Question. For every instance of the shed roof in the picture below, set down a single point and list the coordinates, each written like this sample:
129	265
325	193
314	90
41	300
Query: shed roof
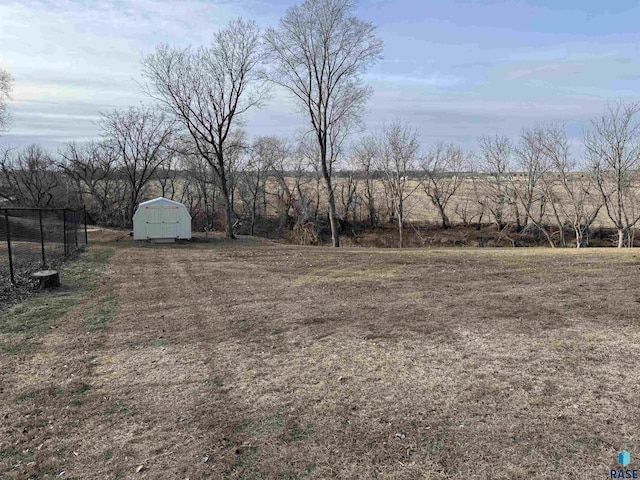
161	200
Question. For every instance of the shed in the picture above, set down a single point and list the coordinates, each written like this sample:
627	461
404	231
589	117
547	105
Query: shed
161	219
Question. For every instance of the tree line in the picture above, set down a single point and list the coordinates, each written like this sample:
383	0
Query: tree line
190	145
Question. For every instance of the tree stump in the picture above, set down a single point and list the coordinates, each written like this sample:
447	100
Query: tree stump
47	278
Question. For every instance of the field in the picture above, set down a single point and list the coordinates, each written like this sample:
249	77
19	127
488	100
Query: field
252	360
419	209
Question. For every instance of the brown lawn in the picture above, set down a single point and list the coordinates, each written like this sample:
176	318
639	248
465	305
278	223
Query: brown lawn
258	360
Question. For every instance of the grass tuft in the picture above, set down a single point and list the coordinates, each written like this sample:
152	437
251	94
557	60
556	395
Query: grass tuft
263	426
244	465
160	343
18	348
98	316
296	433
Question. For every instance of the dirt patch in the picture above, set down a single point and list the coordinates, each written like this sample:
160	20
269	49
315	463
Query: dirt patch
256	360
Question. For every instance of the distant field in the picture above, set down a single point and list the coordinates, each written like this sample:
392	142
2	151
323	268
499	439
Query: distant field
254	360
418	206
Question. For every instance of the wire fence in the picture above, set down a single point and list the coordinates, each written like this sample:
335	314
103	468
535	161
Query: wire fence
32	239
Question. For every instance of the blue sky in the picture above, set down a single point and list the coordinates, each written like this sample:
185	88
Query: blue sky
455	69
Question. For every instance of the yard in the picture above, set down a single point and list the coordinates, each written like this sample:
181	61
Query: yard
252	360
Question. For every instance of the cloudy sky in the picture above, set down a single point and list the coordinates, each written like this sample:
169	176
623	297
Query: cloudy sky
455	69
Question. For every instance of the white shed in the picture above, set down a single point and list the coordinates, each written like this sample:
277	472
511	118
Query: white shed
161	219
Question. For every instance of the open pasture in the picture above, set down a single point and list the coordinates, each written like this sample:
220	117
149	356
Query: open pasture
250	360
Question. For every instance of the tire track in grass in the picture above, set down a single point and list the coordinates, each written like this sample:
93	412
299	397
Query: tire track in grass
150	371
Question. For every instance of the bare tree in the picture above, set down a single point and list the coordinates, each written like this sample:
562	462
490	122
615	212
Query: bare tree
363	162
532	162
469	209
308	169
320	50
396	158
93	168
236	160
443	167
288	173
200	187
30	177
538	183
6	85
305	170
496	167
482	198
613	144
266	152
167	174
579	205
140	138
348	197
208	90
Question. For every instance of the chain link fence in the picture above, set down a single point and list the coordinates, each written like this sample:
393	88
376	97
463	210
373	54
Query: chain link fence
32	239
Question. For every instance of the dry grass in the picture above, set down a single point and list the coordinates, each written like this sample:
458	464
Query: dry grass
262	361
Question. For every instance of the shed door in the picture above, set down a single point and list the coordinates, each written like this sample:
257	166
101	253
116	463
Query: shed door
162	222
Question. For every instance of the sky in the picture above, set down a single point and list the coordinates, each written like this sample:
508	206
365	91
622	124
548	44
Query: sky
453	69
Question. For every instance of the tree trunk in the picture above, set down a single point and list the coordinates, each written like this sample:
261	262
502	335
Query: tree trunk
563	241
335	239
253	215
579	240
518	221
400	221
445	219
620	237
333	220
228	230
372	214
132	209
315	212
624	237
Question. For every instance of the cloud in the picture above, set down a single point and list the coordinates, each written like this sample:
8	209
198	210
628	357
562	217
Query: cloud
453	79
75	53
630	76
430	80
545	72
463	117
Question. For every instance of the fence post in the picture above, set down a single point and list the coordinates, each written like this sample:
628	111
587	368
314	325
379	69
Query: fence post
76	224
6	220
86	235
64	229
44	261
